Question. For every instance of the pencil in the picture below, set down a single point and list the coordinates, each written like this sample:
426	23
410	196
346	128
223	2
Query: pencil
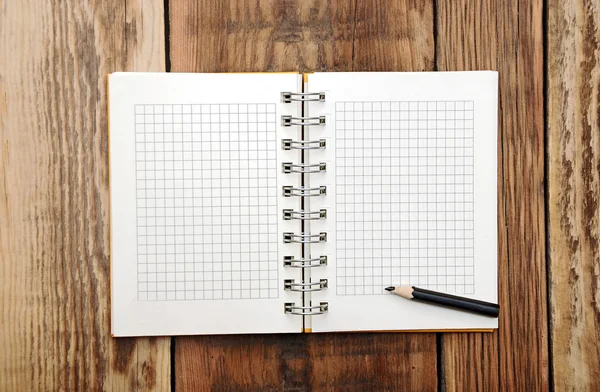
453	301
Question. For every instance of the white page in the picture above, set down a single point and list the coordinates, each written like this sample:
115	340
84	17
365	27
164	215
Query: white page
195	203
411	197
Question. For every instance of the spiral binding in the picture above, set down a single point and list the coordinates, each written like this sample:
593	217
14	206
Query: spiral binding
291	308
291	285
289	191
289	144
292	262
289	167
287	97
289	238
303	191
304	215
288	121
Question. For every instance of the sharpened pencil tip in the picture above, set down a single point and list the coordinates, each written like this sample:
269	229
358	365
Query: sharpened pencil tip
391	288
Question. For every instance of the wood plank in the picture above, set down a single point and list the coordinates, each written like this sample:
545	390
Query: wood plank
469	362
372	362
462	46
303	36
316	362
574	192
523	333
506	36
54	237
393	36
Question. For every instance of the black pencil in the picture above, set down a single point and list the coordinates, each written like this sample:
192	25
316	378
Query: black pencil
453	301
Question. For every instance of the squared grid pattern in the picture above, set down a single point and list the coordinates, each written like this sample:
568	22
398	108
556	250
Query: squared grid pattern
206	201
404	196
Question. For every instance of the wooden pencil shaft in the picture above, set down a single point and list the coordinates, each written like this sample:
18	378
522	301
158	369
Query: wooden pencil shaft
468	304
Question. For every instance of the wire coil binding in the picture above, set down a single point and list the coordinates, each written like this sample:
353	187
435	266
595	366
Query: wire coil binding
289	144
287	97
291	308
289	191
289	214
288	121
303	168
289	167
304	238
291	285
292	262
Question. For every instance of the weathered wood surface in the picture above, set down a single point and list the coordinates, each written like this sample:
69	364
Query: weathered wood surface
573	107
315	362
507	37
304	36
54	241
54	213
209	36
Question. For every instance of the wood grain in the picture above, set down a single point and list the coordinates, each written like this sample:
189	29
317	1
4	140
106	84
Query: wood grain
507	37
54	241
574	192
523	323
54	220
469	362
316	362
303	36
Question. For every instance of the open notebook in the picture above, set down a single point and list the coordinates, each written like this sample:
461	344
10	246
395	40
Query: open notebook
263	203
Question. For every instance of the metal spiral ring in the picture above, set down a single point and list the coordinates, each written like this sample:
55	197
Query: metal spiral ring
291	308
292	262
288	121
289	167
287	97
289	191
291	285
304	238
289	214
289	144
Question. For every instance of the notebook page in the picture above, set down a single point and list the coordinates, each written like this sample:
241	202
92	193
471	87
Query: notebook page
195	199
411	195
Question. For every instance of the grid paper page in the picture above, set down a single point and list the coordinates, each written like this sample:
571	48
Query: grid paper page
206	201
404	199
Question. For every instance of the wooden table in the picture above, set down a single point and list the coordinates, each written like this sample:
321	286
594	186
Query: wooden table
54	226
